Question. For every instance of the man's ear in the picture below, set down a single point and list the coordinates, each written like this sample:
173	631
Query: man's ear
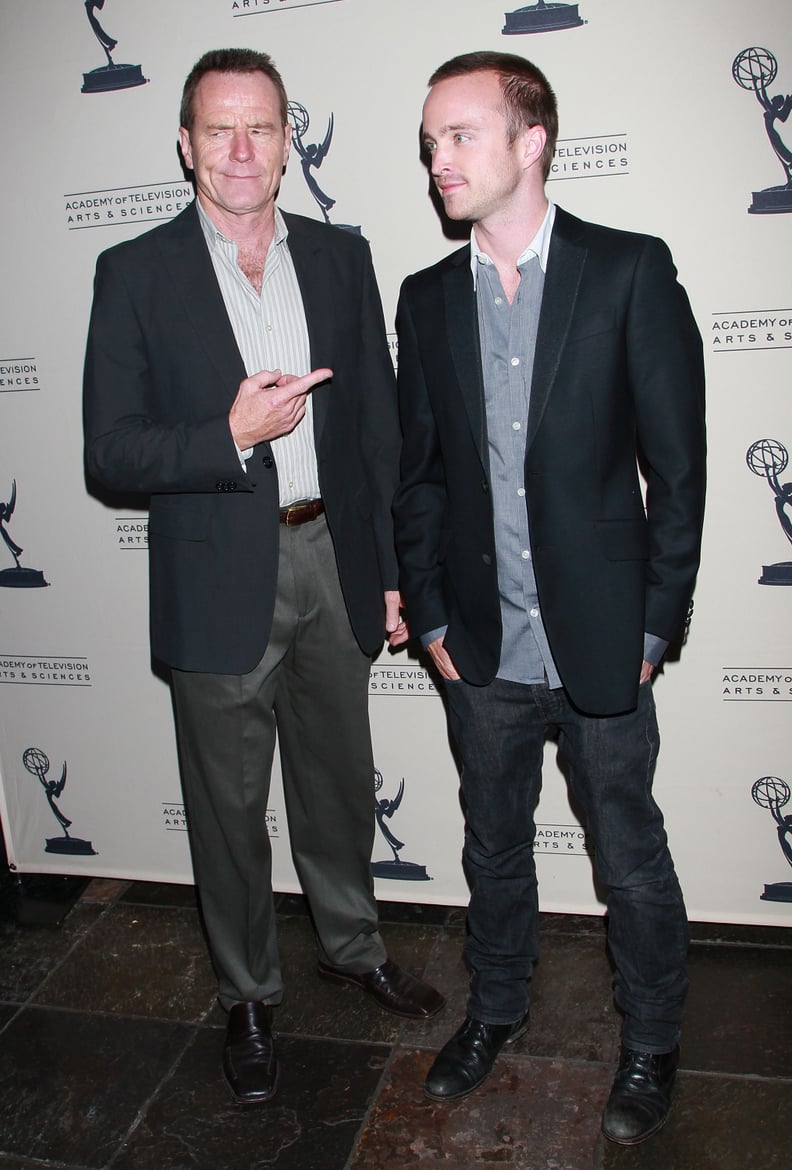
533	140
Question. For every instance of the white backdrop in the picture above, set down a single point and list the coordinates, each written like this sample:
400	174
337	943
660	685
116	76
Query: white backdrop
656	135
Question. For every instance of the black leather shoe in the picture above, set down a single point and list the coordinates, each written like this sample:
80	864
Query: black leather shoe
249	1061
641	1096
392	988
468	1057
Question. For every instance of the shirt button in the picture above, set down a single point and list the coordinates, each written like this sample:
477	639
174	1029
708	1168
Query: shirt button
526	554
515	426
499	300
515	361
534	612
520	491
269	329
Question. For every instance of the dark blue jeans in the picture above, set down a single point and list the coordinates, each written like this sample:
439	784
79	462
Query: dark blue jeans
500	731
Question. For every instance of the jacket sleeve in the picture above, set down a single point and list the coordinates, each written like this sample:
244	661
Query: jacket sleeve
143	431
420	505
666	374
380	436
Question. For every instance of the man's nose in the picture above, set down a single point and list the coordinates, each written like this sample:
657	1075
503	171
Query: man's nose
241	146
439	161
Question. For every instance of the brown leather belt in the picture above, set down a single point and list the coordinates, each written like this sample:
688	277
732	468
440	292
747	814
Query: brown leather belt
301	513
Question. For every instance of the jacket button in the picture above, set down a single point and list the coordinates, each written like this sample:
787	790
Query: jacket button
484	485
268	461
486	558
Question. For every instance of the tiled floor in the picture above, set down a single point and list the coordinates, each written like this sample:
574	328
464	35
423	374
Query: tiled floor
110	1044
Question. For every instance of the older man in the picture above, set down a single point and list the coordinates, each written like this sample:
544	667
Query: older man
237	372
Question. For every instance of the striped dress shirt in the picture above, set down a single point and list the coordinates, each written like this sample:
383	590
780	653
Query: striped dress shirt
272	334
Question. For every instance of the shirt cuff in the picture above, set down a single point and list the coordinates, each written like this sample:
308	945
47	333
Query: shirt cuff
654	648
432	636
243	456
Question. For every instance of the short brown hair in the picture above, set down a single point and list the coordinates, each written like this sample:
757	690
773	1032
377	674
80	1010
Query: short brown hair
528	99
230	61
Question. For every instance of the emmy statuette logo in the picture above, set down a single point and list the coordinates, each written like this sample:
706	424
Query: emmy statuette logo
755	69
37	763
768	458
16	577
404	871
312	155
542	17
771	793
110	76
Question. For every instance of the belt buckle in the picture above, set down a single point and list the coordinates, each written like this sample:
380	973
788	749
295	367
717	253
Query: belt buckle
297	514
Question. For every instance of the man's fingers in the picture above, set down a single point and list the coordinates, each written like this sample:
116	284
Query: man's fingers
305	383
263	380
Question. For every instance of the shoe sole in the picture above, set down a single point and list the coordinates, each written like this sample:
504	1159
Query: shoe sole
478	1084
350	981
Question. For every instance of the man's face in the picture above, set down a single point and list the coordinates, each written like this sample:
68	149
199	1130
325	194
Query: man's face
238	145
477	171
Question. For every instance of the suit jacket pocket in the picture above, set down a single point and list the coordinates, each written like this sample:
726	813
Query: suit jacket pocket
589	325
623	540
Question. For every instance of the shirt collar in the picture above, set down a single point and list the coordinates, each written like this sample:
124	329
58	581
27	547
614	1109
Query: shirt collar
539	246
213	235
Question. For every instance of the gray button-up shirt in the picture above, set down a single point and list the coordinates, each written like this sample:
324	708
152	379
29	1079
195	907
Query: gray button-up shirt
508	342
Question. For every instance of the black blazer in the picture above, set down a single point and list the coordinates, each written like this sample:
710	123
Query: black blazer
162	370
618	368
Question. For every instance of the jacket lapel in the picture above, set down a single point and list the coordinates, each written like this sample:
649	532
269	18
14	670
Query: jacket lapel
314	283
565	263
463	337
187	259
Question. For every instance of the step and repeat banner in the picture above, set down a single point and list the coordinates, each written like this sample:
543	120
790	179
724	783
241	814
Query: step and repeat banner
674	121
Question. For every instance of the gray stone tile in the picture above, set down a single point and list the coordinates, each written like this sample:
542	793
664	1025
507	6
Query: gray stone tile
413	913
323	1094
13	1162
105	890
7	1013
572	1011
28	954
148	961
446	971
593	924
72	1084
727	932
529	1115
738	1016
160	894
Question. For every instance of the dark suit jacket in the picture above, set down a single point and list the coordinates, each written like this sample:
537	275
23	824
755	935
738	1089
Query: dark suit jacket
618	367
162	370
